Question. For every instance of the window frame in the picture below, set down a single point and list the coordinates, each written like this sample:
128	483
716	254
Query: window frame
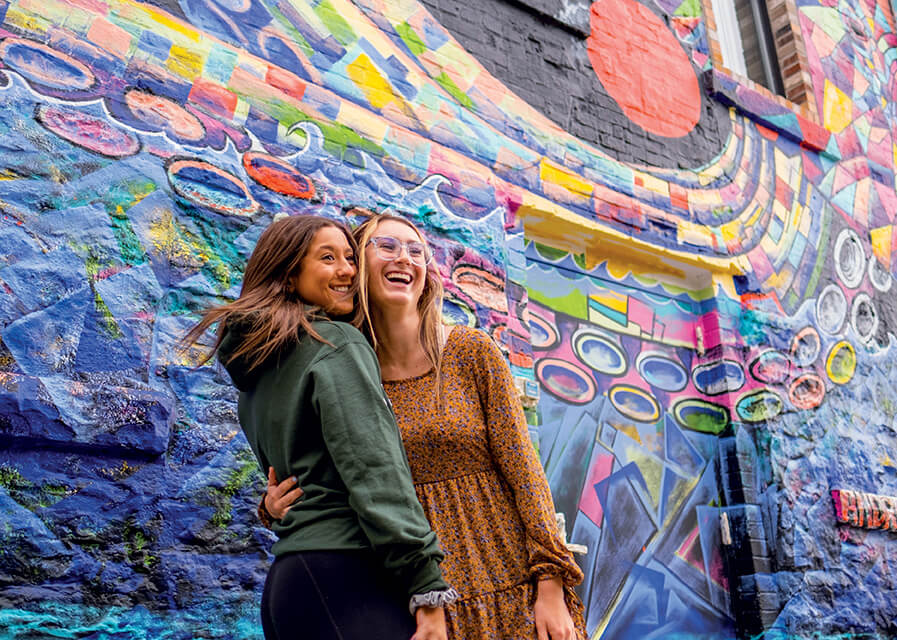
791	53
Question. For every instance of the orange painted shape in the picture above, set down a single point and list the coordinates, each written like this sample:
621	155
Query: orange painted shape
643	67
769	134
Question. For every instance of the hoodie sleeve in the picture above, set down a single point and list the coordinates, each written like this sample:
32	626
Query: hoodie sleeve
361	436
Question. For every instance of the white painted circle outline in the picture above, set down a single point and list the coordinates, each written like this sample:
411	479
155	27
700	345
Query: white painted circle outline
850	280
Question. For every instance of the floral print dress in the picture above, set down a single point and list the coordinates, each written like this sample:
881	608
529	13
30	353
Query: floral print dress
483	489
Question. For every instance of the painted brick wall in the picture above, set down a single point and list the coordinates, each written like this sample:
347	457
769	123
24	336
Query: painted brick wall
693	282
537	49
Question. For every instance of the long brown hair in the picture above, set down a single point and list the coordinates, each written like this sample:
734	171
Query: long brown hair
429	306
269	308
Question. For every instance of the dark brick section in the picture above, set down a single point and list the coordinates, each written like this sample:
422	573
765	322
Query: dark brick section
748	557
538	50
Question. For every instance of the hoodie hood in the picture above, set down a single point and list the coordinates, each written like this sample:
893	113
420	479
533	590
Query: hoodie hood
238	368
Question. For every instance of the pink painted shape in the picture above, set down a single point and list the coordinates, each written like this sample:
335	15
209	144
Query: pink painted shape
839	513
588	503
689	546
642	314
888	200
110	37
717	570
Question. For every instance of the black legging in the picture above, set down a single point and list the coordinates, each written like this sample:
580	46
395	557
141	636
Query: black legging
333	595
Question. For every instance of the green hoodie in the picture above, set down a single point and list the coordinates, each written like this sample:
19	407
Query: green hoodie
318	412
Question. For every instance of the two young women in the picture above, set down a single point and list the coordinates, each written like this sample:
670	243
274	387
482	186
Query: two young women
359	552
474	468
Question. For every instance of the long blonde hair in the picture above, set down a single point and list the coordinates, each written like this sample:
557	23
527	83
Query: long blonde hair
269	307
429	306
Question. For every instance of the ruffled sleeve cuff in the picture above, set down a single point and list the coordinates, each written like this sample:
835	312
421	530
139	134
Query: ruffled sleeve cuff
262	512
569	573
432	599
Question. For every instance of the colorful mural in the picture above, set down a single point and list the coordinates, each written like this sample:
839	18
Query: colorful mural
712	348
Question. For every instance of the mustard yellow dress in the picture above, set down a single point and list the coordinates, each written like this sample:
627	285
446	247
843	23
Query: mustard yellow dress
483	490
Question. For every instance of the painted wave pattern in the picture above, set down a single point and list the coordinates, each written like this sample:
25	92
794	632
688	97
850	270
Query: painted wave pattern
142	158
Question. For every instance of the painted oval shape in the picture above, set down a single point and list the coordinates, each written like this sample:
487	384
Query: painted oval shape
864	317
599	352
277	175
662	372
643	67
485	288
831	309
806	391
88	132
42	65
718	377
543	334
565	381
879	276
208	186
805	346
634	403
841	363
162	114
850	259
701	415
454	311
771	367
759	405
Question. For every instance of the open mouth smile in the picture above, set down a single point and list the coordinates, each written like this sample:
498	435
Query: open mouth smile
399	277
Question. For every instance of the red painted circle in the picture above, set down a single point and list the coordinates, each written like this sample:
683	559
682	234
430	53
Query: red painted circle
642	66
277	175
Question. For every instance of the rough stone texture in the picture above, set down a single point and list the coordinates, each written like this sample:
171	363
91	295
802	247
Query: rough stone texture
702	329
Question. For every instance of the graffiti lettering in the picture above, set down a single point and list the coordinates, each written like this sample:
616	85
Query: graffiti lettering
865	510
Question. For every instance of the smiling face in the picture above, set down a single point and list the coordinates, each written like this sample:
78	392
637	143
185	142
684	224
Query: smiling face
397	282
327	272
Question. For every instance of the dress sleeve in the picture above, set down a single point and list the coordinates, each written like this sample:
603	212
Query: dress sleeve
516	459
362	438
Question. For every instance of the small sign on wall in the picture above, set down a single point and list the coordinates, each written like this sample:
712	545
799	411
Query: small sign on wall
866	510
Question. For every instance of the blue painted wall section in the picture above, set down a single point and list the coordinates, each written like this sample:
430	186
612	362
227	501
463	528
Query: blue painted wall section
697	302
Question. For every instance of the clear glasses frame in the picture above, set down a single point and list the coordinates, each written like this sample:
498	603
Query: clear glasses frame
389	248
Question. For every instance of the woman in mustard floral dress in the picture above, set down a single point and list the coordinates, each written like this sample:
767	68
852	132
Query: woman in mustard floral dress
474	467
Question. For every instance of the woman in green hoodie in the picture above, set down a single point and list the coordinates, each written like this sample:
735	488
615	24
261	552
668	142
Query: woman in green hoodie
475	470
357	553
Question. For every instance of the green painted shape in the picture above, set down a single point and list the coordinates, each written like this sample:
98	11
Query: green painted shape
335	23
548	252
237	479
28	494
225	264
117	198
337	137
828	19
573	304
295	34
689	9
415	45
821	256
448	84
713	421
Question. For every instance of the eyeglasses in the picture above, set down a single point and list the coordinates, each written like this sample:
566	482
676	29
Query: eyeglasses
389	248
